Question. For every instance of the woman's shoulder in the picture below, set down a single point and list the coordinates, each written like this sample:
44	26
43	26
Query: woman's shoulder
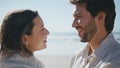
38	63
18	61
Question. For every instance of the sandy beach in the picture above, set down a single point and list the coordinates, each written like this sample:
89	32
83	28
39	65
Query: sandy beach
55	61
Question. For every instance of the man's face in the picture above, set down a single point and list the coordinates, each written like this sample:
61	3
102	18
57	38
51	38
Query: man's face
84	23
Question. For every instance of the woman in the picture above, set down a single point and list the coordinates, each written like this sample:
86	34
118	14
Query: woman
22	33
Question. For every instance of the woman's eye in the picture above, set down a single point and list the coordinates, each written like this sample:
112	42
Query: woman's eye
42	29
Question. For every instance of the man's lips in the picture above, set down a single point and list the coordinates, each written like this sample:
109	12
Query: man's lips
79	29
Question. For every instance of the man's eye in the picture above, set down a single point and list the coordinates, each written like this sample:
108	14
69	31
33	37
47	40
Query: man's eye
79	16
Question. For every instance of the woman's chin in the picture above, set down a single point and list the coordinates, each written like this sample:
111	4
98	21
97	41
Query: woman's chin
43	47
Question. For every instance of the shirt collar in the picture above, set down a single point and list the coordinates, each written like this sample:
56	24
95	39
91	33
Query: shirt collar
104	47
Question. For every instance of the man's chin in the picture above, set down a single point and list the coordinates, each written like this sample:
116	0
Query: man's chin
84	40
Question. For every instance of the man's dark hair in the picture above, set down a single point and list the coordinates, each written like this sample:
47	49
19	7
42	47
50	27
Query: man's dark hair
96	6
13	27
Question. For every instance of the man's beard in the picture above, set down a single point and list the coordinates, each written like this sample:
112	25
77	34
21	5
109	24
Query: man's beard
90	29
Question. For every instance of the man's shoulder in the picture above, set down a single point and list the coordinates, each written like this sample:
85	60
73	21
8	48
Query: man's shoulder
114	59
115	56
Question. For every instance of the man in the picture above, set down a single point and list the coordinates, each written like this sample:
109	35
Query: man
94	21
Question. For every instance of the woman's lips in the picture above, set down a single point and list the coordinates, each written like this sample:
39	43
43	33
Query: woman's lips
45	41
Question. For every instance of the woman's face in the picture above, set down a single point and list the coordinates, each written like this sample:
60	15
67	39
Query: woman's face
37	40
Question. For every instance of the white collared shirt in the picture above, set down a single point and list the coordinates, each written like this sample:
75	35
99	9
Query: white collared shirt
106	56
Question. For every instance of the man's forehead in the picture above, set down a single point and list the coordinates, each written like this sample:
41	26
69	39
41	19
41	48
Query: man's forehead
80	4
97	1
80	7
79	11
76	1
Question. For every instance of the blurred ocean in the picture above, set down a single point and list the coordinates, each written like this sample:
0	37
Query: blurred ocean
66	43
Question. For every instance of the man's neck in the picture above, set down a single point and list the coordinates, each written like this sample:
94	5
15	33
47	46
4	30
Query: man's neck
96	40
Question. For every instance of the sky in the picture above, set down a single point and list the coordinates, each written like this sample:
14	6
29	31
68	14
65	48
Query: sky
56	14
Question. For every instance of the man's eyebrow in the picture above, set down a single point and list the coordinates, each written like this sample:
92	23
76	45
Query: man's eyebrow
76	13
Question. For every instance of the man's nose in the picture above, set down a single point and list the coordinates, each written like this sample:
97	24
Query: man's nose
75	23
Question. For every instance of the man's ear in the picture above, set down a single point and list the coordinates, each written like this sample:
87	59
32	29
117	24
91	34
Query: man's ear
101	17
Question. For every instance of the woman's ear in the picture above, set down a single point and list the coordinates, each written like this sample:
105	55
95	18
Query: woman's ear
25	39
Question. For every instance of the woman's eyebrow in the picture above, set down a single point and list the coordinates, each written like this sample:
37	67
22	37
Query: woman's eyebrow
41	27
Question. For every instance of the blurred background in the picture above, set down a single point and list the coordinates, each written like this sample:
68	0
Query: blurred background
62	41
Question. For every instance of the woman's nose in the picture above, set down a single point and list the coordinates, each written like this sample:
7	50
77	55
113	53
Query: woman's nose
47	31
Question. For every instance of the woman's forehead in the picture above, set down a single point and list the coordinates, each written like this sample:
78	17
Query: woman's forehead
38	21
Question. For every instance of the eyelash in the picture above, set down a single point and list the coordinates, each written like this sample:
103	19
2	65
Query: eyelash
79	16
42	29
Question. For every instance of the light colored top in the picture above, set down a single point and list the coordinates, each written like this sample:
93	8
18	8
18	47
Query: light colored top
17	61
106	56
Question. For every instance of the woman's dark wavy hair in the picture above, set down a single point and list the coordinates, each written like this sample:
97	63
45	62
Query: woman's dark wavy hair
96	6
13	27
